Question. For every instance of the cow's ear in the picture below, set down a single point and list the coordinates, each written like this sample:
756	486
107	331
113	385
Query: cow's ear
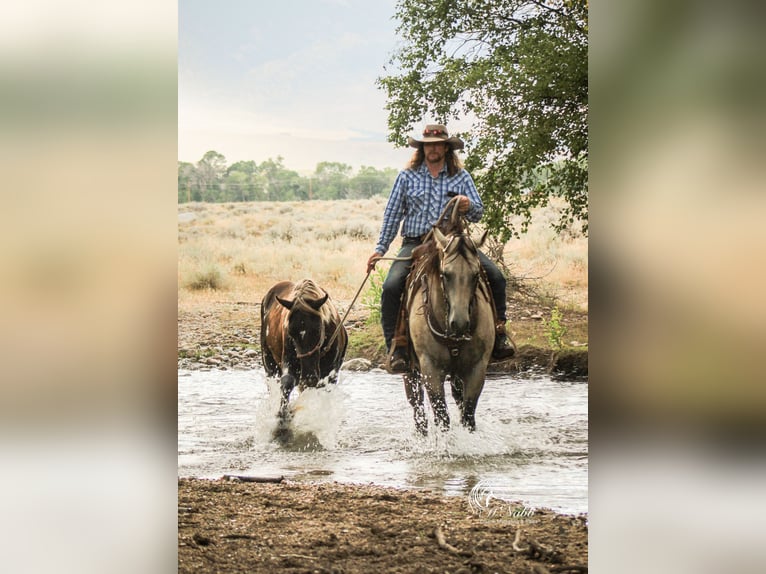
285	302
315	305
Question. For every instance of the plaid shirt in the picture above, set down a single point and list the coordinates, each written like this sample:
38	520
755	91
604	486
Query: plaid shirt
419	199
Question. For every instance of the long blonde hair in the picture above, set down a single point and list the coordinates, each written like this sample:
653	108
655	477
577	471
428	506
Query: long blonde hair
454	163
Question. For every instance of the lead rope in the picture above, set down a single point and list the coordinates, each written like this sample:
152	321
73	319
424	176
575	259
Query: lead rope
358	291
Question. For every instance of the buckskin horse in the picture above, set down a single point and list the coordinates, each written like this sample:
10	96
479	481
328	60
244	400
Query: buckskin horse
299	342
450	314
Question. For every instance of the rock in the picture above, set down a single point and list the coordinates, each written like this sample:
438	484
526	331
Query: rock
359	364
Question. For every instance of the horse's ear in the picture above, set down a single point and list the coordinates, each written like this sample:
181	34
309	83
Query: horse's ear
440	238
285	303
315	305
482	240
454	218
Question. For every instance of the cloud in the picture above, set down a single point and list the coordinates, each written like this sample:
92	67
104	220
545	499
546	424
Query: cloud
280	75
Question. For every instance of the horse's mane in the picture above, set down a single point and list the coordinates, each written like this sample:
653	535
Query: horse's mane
306	290
425	256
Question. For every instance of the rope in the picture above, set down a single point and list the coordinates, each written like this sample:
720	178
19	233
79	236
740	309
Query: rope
342	321
337	329
394	258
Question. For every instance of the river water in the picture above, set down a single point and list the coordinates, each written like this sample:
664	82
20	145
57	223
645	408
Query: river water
530	443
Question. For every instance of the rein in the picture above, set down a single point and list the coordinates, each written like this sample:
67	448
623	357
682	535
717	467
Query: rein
452	342
444	338
358	291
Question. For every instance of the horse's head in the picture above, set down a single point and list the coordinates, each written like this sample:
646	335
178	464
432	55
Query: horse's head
305	326
459	268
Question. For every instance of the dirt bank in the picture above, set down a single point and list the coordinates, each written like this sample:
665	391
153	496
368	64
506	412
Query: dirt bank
232	526
225	335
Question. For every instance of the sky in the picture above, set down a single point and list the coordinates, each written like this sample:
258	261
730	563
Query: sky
259	79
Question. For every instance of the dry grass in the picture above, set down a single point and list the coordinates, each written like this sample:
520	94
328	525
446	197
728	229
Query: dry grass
244	248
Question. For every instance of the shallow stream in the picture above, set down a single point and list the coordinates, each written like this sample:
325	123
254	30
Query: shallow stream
530	443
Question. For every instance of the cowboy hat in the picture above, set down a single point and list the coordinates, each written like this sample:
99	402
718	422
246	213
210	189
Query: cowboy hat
436	133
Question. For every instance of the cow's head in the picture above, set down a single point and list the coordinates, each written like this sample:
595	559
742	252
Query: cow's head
305	329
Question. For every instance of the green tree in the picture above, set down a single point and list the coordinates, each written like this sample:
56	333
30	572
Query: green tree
331	180
517	71
187	180
283	184
209	174
244	182
370	181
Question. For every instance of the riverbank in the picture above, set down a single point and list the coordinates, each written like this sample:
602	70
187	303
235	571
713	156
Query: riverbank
233	526
230	254
215	334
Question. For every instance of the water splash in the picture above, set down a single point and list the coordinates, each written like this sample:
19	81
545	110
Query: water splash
530	444
319	413
314	420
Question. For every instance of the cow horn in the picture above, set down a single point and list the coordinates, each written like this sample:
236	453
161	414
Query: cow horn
315	305
285	303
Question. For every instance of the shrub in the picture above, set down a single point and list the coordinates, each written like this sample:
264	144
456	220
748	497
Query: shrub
371	297
555	329
209	278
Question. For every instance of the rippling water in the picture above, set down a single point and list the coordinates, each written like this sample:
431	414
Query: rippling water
530	444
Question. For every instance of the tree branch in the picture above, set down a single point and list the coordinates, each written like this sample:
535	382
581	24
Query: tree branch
439	535
262	479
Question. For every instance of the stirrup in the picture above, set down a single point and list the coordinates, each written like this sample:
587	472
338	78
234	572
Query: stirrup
503	348
398	361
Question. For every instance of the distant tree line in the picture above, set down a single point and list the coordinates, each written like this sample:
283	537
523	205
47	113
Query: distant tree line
211	180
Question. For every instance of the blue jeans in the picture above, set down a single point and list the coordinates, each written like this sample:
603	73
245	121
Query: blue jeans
393	287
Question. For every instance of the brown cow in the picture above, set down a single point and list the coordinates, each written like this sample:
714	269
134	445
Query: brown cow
298	321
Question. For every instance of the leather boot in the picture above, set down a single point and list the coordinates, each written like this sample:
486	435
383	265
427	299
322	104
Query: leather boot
398	358
504	347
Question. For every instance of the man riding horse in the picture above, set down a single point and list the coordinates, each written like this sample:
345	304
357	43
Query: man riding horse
433	176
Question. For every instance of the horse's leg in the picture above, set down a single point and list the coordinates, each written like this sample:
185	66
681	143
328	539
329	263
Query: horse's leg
456	384
473	388
468	415
434	382
466	410
414	391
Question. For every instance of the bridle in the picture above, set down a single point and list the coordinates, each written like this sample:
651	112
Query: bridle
449	340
